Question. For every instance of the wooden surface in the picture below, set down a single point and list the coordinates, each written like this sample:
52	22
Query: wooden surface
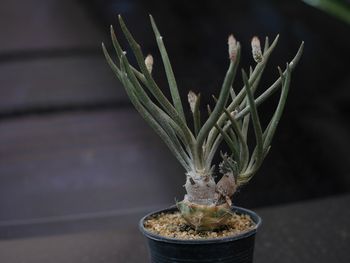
310	232
51	57
41	25
71	144
59	82
82	162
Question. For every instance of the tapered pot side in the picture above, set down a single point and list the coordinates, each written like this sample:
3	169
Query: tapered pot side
237	248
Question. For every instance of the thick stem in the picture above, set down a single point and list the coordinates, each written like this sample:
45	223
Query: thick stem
201	207
200	187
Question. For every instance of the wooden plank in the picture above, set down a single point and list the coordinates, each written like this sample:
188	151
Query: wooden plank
54	82
66	164
46	24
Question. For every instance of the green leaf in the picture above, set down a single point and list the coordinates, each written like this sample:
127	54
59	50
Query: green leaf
255	118
222	100
169	71
197	115
242	141
115	42
273	88
157	93
230	144
151	120
159	115
111	63
281	104
256	74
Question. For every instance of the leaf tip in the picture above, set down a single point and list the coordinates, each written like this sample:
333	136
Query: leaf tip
192	100
256	49
121	21
232	47
149	63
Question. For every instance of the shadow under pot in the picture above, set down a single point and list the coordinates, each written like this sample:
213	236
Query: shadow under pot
233	249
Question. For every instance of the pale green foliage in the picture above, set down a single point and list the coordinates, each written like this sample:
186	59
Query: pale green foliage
230	118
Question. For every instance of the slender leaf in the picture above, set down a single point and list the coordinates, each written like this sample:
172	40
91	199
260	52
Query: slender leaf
281	104
255	118
157	93
197	115
169	71
221	103
267	93
242	141
151	121
115	42
110	62
241	95
230	144
162	118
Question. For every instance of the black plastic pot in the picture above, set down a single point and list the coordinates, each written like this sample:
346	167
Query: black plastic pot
235	249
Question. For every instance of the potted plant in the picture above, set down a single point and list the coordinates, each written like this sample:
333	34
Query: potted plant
204	226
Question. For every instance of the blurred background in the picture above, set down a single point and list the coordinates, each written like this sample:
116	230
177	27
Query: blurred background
72	146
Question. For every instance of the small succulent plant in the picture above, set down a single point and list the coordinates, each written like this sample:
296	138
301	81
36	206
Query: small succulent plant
207	203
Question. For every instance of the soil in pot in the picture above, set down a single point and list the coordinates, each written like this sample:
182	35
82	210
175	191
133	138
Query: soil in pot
172	225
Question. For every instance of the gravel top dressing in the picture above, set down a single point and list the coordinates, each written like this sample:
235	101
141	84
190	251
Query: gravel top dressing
172	225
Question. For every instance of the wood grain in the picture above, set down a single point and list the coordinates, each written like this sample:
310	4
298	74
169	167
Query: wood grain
64	164
58	82
46	24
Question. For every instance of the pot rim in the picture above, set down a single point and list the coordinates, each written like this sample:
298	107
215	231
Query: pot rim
240	210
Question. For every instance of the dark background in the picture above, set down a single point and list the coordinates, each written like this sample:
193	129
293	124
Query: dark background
71	145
